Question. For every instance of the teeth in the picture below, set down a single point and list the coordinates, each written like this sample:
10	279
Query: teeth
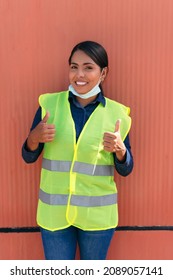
81	83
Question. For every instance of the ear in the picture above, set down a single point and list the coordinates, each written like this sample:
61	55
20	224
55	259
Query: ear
104	73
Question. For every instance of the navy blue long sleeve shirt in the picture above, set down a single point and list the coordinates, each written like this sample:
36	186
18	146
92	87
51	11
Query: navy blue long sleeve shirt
80	116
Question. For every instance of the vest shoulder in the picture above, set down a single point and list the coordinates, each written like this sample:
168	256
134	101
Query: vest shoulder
114	104
51	97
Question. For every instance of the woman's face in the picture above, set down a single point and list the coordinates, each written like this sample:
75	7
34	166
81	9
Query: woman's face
84	73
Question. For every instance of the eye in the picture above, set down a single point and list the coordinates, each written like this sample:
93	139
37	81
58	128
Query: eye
89	68
73	67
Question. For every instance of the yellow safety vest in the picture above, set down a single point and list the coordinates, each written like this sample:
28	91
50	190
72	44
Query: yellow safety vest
77	179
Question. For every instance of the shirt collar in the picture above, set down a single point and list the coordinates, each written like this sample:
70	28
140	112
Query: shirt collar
100	98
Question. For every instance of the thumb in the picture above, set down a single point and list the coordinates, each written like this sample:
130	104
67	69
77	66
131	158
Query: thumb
46	117
117	126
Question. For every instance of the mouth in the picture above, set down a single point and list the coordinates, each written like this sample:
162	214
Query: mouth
79	83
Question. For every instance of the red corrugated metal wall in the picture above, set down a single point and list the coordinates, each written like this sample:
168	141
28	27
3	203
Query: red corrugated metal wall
36	38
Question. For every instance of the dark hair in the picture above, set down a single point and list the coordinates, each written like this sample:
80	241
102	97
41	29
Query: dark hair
94	50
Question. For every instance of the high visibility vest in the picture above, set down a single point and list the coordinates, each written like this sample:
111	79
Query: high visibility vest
77	179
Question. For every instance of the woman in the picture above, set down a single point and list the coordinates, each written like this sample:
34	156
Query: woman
84	136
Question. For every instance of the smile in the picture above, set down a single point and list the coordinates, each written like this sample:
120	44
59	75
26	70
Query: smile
80	83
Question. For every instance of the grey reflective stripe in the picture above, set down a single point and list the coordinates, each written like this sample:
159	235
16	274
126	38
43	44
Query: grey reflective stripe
79	167
91	201
53	199
94	170
78	200
56	165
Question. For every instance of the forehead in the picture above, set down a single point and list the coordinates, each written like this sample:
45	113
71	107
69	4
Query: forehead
80	57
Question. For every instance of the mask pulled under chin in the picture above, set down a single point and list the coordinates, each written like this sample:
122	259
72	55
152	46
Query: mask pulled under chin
94	91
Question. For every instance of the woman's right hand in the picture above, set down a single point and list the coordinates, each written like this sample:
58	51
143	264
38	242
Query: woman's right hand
42	133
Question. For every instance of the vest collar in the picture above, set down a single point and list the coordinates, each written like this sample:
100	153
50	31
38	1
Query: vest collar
100	98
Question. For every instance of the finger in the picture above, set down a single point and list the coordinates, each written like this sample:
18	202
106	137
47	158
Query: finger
46	117
50	126
49	133
109	149
110	142
109	135
117	125
51	137
48	138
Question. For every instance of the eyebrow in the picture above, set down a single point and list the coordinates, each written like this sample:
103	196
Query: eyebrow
86	63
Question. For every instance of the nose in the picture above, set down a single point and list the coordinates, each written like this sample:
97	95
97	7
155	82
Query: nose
79	73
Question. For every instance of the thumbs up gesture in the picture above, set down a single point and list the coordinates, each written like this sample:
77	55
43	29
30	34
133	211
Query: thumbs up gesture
42	133
113	143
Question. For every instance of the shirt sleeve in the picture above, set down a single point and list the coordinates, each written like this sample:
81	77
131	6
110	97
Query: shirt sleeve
31	156
125	168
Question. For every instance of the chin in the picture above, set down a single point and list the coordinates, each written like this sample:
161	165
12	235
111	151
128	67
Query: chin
81	91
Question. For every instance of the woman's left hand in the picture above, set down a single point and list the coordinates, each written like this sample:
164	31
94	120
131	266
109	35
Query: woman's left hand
113	143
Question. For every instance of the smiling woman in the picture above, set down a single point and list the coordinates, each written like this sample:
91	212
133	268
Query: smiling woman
84	137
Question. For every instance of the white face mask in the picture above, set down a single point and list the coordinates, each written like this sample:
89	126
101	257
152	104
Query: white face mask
94	91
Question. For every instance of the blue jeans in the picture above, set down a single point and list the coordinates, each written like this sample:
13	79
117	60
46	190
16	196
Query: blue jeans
62	244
